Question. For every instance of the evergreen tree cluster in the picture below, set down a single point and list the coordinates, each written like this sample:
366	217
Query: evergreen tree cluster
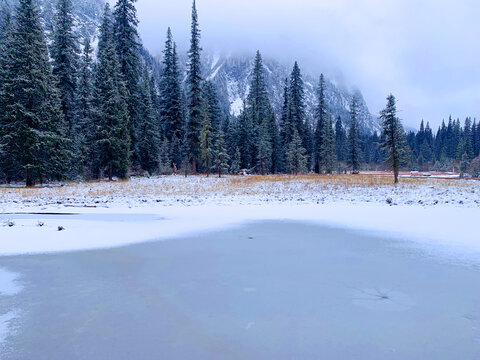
69	113
445	149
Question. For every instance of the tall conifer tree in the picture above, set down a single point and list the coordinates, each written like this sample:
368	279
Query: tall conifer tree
194	83
353	155
395	142
320	131
327	152
171	106
148	128
65	54
8	164
127	45
296	102
258	110
206	143
36	135
84	111
112	132
220	155
340	140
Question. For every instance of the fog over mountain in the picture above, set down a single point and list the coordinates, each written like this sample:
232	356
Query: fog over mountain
425	52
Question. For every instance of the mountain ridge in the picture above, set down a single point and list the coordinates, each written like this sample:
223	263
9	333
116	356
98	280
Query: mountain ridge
230	73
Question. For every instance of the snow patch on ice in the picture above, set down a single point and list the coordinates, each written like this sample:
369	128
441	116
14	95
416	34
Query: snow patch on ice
8	287
5	320
8	283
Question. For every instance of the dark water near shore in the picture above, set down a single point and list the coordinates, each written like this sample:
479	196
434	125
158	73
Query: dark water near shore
264	291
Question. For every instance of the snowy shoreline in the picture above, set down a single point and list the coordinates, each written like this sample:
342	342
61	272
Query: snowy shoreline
96	228
104	215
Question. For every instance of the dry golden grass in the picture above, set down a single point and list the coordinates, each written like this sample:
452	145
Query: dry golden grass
197	186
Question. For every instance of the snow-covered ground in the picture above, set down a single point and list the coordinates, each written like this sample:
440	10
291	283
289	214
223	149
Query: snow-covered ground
113	214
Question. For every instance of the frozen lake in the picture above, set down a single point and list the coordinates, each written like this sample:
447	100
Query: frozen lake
263	291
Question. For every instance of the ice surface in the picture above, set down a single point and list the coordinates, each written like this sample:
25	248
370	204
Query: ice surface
264	291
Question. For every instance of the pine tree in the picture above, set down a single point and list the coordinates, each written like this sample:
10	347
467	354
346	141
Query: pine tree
36	135
320	131
127	46
296	155
286	128
395	142
476	138
296	102
230	129
258	110
171	109
212	106
220	155
8	164
340	140
84	112
353	156
112	131
275	143
165	167
236	163
327	151
264	150
246	140
206	141
65	54
468	138
464	164
148	131
194	83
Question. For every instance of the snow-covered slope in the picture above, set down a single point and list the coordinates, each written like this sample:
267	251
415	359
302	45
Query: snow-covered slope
231	75
87	14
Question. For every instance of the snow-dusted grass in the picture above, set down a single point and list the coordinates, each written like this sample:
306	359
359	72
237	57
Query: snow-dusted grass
247	190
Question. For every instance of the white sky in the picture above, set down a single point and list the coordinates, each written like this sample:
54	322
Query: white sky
426	52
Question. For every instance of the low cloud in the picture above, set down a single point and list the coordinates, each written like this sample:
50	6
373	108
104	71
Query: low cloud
423	51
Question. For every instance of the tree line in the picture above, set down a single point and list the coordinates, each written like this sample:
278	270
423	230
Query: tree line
453	145
69	113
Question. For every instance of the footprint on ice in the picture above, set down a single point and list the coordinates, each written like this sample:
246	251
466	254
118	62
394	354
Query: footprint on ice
382	300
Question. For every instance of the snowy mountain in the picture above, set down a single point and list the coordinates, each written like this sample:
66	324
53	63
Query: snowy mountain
87	14
231	75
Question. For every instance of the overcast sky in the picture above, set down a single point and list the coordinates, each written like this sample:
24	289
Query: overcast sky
426	52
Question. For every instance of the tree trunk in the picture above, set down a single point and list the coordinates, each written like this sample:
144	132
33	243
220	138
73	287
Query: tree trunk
194	166
29	182
395	173
110	172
